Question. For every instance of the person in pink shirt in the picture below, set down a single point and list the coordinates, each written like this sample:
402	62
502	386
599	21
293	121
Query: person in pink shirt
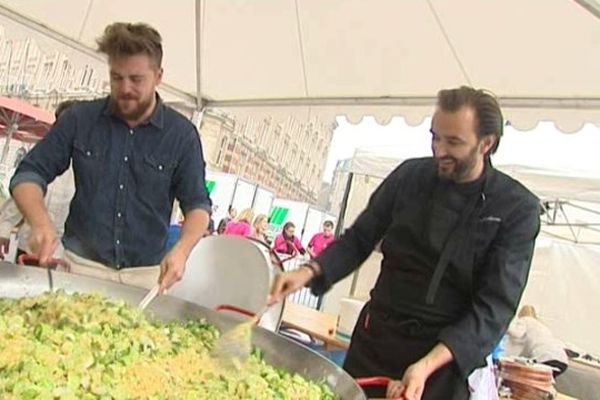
321	240
261	228
287	243
242	225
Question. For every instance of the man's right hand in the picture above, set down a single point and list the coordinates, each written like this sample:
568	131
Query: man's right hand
288	283
43	243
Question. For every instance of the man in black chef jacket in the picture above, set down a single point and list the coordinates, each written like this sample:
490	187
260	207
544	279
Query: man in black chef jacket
458	239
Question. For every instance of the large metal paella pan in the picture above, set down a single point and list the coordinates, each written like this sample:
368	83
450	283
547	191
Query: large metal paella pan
18	281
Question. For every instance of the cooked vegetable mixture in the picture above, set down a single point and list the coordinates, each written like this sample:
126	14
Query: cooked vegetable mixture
85	346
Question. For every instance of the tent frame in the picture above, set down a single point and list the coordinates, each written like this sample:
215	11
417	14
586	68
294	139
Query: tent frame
199	101
557	210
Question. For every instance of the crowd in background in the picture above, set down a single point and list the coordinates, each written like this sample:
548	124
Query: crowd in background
246	224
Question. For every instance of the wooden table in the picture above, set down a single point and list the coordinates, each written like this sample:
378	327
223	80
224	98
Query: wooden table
558	397
564	397
318	325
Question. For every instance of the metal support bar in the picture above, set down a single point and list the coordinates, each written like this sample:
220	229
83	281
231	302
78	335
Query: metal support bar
344	205
596	212
577	224
199	25
568	103
591	5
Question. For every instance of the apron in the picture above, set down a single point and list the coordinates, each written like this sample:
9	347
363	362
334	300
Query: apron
385	345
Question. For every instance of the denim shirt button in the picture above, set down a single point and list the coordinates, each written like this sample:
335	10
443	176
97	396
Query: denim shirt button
88	153
160	167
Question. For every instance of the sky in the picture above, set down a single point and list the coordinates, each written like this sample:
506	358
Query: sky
543	147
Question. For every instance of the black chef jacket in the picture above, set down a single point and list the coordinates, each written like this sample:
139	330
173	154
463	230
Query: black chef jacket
485	230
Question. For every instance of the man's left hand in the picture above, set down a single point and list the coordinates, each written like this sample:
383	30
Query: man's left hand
172	268
413	383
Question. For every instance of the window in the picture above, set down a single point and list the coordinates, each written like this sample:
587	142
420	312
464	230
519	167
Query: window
286	150
221	150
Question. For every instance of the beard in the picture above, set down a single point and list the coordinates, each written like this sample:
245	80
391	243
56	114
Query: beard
456	170
134	108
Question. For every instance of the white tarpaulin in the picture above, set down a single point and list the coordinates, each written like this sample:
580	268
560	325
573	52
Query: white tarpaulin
545	183
563	286
356	57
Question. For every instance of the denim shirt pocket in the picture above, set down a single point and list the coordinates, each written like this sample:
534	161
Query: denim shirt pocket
159	170
153	177
88	159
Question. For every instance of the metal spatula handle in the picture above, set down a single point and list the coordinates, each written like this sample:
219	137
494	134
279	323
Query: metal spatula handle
149	297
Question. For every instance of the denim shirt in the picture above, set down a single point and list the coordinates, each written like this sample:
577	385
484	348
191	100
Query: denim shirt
126	180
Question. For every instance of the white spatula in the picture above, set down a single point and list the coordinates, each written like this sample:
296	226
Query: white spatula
235	345
149	297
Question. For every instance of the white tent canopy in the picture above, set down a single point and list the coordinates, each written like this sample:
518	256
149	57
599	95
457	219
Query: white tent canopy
545	183
355	57
549	185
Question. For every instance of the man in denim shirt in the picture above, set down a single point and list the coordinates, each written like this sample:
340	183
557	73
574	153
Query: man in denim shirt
132	156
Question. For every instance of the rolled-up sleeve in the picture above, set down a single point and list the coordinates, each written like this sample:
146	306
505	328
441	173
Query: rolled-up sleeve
189	178
50	157
498	289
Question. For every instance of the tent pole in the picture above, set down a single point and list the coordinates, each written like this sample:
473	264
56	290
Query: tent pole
200	104
344	206
341	221
591	6
10	131
199	15
560	103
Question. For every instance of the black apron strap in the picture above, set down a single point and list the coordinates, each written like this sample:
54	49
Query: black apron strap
451	244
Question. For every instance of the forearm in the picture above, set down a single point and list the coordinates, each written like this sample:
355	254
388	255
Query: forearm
438	357
193	228
29	197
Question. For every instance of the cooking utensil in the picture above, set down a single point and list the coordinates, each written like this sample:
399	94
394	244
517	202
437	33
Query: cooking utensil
374	381
235	345
151	295
17	282
53	263
232	271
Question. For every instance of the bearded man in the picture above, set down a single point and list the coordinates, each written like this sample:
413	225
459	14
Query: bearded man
458	239
132	156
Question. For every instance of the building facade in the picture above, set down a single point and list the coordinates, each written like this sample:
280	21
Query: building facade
286	156
46	78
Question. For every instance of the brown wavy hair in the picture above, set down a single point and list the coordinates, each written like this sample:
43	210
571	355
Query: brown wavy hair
122	39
